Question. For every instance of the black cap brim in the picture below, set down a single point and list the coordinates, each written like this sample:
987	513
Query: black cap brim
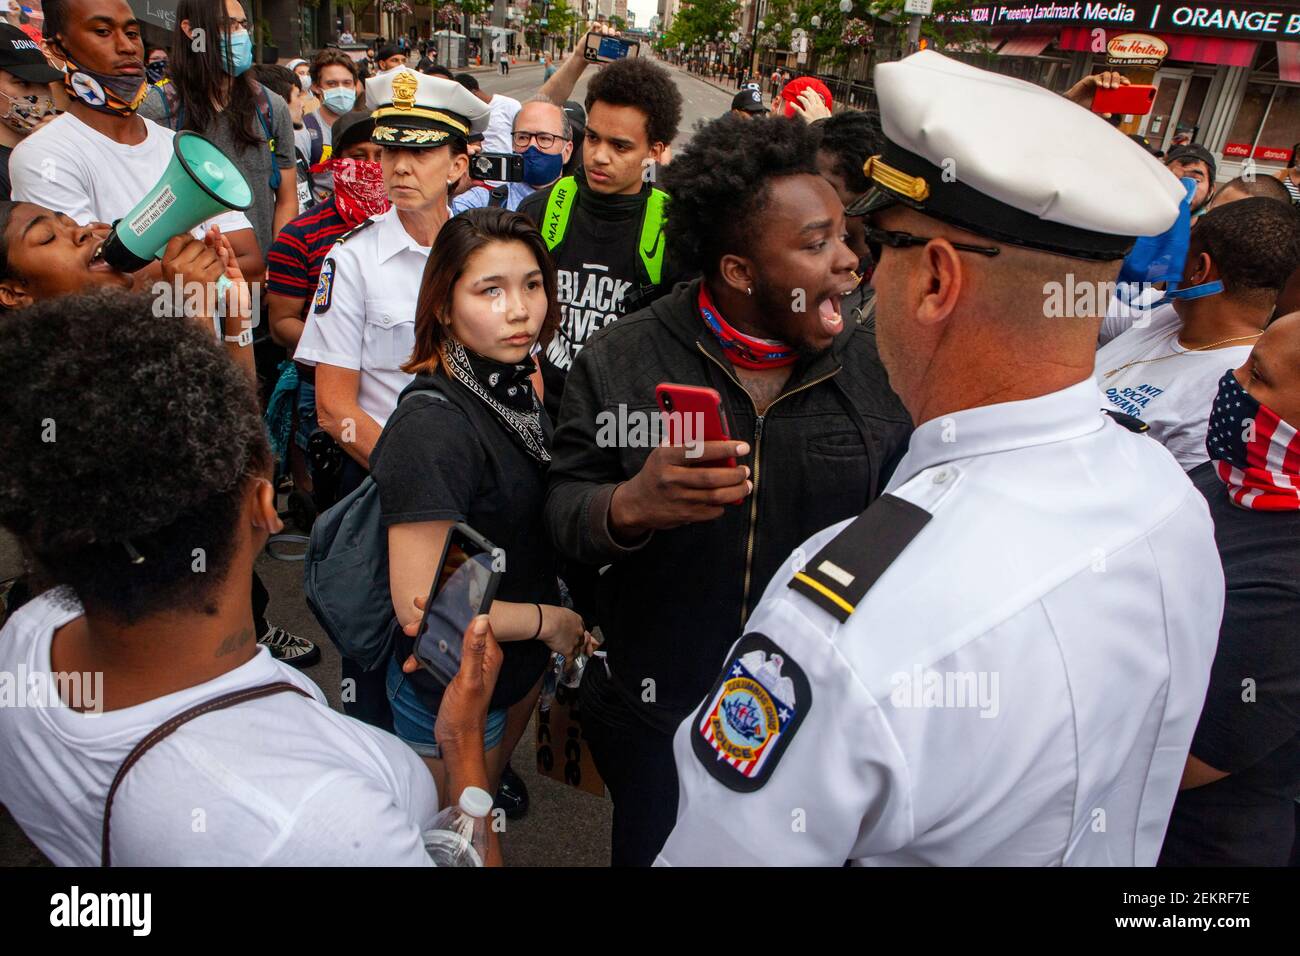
873	200
33	72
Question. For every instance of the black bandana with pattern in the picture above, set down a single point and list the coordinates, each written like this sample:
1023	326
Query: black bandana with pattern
505	389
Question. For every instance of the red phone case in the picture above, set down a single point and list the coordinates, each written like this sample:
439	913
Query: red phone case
1132	100
704	404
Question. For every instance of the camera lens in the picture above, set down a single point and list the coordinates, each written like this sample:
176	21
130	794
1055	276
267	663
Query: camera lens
668	402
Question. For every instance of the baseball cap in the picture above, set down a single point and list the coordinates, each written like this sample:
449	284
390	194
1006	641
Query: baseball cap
790	92
22	56
352	128
1190	152
749	100
388	51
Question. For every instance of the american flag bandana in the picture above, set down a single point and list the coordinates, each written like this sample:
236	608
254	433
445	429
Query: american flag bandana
1255	453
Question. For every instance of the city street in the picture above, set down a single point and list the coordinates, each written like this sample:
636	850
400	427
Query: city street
564	827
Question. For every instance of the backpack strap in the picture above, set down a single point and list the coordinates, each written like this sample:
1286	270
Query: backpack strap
167	728
559	206
267	119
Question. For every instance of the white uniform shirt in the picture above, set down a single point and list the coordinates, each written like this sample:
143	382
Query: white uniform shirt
1171	388
363	314
281	781
1070	569
74	169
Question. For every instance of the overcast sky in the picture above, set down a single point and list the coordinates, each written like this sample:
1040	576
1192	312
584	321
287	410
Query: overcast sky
645	9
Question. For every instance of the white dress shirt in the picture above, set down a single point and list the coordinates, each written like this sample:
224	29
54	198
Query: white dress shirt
363	314
1019	687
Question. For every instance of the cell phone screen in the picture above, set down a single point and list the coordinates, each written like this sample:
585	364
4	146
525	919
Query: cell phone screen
612	48
465	586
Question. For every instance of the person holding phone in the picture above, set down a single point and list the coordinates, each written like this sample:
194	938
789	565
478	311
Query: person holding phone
475	452
690	540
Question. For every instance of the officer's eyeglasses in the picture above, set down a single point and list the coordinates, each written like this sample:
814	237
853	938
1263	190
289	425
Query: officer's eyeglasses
878	238
544	140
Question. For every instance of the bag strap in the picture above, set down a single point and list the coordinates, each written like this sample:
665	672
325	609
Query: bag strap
555	220
165	730
266	119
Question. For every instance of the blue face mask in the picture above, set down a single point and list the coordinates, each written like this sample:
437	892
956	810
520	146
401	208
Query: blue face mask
339	99
237	53
542	169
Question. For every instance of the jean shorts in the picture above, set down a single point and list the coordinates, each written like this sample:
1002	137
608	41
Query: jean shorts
413	721
306	413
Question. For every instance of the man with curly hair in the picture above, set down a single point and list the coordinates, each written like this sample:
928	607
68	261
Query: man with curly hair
690	539
604	226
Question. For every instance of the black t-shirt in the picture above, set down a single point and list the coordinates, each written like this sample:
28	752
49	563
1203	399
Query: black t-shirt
1247	817
598	272
456	461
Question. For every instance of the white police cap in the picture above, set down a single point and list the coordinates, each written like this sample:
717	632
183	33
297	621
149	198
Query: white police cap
415	109
1012	161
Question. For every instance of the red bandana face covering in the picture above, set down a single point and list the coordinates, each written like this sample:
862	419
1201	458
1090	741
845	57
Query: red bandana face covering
359	191
743	350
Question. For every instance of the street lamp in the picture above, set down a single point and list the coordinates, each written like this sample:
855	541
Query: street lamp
846	6
816	22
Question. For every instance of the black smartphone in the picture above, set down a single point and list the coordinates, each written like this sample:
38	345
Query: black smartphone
469	573
499	167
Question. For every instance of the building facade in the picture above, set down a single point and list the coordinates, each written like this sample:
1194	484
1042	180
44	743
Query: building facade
1227	75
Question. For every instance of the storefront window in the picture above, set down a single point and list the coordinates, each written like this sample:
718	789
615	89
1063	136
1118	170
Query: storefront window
1189	119
1281	128
1245	128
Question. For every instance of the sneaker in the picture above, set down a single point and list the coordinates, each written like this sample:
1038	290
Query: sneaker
289	648
512	795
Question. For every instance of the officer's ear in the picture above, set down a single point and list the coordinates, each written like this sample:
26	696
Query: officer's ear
738	273
14	295
459	167
940	279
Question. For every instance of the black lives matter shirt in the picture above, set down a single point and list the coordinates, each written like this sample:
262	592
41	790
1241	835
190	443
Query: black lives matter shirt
1250	725
599	275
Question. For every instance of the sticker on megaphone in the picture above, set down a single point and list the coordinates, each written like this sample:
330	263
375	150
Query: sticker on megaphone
200	182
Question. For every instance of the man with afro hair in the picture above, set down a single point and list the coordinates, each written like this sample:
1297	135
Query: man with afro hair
604	225
693	535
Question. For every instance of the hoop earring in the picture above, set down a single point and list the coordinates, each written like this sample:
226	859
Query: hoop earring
749	290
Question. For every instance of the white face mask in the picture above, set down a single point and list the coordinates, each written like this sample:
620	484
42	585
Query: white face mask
24	113
305	82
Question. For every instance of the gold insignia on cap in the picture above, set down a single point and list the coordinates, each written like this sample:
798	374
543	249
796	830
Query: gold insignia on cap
385	134
895	180
436	115
422	137
404	87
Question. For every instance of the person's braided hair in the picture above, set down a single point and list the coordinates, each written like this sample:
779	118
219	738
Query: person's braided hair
125	433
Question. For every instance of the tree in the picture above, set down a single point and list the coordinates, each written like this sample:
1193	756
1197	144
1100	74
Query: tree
702	22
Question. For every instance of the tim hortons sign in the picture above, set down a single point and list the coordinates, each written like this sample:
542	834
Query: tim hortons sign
1136	49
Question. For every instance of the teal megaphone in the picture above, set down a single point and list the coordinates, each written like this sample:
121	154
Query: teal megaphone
199	183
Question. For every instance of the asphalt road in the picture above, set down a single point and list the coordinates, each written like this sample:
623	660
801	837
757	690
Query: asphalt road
564	827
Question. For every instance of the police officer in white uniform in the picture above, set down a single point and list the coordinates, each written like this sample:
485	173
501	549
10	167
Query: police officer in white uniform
361	329
1003	659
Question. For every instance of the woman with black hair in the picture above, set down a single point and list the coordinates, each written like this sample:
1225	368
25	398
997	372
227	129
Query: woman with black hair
212	93
476	452
149	514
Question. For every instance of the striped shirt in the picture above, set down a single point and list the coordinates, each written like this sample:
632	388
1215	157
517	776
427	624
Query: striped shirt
1292	188
293	262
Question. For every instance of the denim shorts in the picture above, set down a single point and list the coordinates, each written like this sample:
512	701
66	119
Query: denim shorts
306	413
413	721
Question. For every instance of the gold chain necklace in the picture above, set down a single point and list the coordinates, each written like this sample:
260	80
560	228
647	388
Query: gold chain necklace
1199	348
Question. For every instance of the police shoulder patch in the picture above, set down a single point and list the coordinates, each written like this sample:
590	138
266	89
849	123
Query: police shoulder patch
324	286
751	715
364	224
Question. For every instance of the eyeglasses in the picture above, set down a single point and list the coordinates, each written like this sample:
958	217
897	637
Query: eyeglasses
544	140
877	238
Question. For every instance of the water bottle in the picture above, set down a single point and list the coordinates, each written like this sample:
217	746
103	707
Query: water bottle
551	680
459	833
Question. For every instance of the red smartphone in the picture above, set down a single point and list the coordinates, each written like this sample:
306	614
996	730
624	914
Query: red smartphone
693	414
1133	100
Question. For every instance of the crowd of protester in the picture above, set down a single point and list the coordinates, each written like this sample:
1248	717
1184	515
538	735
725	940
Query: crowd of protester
393	324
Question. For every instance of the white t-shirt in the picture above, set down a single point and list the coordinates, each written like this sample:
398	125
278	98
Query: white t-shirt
498	137
71	168
1173	394
281	780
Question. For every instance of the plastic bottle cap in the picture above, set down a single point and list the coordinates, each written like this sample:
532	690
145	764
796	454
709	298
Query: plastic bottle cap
476	801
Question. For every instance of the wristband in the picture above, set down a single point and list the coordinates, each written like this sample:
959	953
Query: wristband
537	633
245	337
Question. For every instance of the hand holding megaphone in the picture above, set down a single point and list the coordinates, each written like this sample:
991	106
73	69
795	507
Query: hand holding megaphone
199	183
